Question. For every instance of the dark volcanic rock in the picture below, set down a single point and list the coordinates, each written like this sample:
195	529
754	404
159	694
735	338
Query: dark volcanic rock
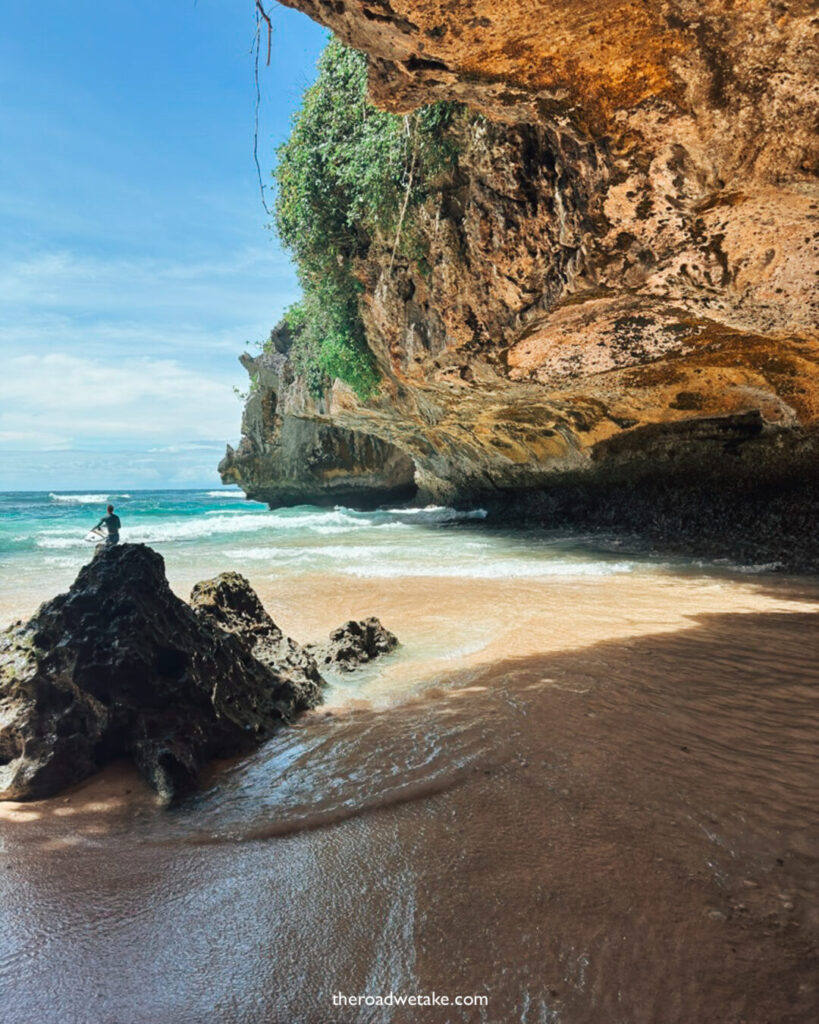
230	603
120	666
354	644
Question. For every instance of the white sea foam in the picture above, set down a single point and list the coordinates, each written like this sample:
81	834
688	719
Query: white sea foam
320	554
271	554
438	513
311	558
62	543
329	530
250	522
232	495
196	528
396	560
361	551
64	561
80	499
200	528
429	515
760	568
218	523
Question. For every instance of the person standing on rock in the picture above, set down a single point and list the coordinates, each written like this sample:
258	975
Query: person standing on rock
112	525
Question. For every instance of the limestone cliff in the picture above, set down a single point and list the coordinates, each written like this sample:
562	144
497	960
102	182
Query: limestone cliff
291	453
618	277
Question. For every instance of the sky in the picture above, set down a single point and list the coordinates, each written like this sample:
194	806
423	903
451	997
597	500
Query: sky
136	258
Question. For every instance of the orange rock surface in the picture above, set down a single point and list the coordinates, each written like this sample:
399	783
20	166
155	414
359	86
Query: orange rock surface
627	251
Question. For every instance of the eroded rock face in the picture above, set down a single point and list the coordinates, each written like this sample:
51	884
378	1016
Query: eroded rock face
230	603
121	667
539	60
286	459
626	248
354	644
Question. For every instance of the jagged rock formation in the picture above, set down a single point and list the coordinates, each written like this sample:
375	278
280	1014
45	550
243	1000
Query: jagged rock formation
229	603
618	281
121	667
287	459
354	644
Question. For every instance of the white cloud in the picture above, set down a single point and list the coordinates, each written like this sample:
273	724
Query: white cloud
63	399
131	349
109	471
32	439
187	342
130	298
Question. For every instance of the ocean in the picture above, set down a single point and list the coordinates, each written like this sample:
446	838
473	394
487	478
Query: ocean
44	540
584	763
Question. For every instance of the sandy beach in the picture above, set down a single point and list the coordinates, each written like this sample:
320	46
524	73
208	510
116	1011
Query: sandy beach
616	824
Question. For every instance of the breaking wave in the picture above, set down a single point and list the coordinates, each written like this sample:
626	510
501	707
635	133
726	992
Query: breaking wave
80	499
436	514
216	523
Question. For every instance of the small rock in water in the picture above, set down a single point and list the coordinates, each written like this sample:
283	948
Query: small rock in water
354	644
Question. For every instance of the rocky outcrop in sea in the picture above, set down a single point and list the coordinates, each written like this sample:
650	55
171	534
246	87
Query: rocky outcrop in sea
121	667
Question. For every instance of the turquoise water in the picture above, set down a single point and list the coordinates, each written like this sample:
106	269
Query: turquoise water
44	541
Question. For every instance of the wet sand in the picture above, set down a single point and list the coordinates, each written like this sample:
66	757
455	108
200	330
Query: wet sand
447	625
619	825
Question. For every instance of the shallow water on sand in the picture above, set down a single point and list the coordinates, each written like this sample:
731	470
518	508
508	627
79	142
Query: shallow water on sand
589	797
44	541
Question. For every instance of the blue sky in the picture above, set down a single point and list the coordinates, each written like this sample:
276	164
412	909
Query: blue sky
135	258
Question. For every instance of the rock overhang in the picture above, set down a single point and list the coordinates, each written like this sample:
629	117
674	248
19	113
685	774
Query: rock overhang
628	249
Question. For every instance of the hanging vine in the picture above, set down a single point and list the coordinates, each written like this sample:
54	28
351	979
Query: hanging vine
261	15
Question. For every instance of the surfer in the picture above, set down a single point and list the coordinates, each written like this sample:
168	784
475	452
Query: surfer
112	524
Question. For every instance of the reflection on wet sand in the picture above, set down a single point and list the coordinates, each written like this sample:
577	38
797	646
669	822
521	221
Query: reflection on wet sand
447	625
620	827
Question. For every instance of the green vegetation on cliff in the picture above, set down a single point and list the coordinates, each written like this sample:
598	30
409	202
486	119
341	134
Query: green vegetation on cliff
348	173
